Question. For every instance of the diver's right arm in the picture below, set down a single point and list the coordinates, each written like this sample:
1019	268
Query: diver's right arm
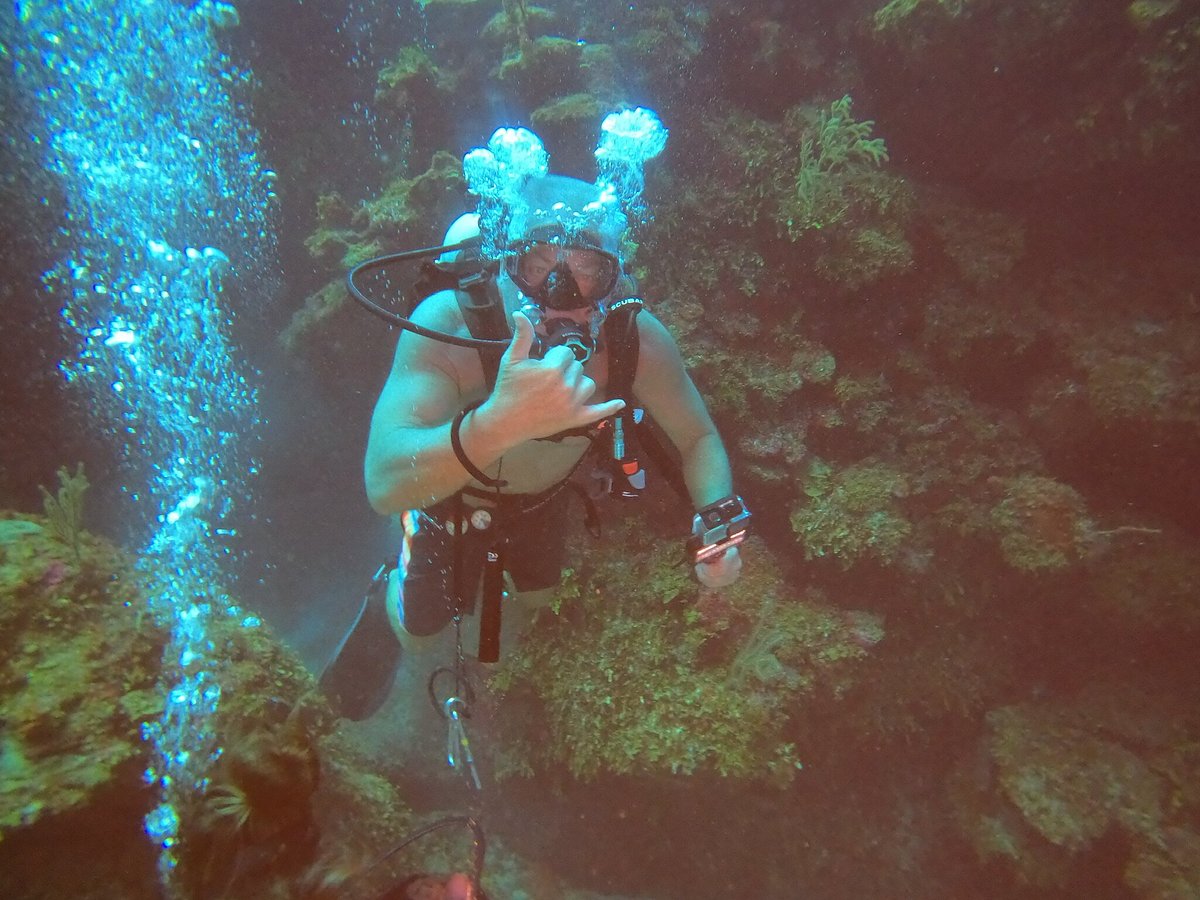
410	462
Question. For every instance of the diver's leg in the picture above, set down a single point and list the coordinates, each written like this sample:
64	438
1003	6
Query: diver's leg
418	645
406	610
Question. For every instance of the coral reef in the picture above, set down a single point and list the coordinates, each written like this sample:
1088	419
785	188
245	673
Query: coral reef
1062	777
1122	101
1146	582
288	806
664	43
834	201
79	677
908	17
833	143
852	513
411	81
570	120
1041	523
639	673
544	68
408	210
64	510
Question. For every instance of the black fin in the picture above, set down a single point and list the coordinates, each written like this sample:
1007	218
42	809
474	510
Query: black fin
359	678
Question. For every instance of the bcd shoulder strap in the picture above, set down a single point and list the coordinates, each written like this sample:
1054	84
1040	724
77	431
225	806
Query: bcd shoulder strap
623	367
621	337
483	313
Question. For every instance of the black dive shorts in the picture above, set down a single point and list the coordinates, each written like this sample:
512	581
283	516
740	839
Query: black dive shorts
534	553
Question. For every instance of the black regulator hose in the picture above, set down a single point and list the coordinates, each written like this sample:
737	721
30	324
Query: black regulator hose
399	321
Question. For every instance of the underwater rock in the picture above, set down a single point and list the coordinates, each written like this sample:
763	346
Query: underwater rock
569	125
518	22
778	62
983	245
411	83
80	666
661	47
1125	98
545	68
638	675
455	22
1068	784
1168	867
754	196
1041	523
1146	582
81	672
330	330
852	513
78	677
1056	779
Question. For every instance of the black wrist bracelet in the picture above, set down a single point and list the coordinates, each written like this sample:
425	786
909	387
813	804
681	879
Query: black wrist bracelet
456	443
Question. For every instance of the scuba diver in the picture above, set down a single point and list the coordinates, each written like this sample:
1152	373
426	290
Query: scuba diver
500	389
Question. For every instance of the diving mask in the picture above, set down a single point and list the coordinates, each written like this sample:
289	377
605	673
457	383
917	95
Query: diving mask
562	277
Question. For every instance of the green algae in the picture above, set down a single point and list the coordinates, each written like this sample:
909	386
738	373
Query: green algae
638	674
75	645
852	513
1069	775
1041	523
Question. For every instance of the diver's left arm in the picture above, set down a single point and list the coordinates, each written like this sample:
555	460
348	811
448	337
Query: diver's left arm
663	387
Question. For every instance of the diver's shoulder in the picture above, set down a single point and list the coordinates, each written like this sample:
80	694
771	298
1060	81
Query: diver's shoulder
652	330
441	312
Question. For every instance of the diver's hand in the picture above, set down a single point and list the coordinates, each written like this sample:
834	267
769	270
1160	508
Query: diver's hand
722	571
536	398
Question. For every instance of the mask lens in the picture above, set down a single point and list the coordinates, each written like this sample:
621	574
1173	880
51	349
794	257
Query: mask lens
534	266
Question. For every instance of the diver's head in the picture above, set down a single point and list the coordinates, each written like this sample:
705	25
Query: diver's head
564	253
464	228
559	238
